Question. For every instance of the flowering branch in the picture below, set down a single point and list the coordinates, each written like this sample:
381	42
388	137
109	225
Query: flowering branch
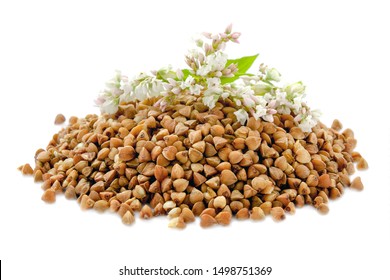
212	76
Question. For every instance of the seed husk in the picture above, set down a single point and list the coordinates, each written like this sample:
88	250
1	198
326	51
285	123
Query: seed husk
357	184
195	155
198	208
174	212
228	177
70	193
303	156
207	221
290	208
242	214
362	164
177	222
323	209
144	155
302	171
195	136
86	202
128	218
26	169
187	215
169	153
276	173
196	196
336	125
180	185
160	173
266	207
209	211
200	146
126	153
223	218
253	143
219	142
219	202
178	197
324	181
101	205
177	172
49	196
38	176
59	119
281	163
297	133
249	191
257	214
278	214
235	157
44	156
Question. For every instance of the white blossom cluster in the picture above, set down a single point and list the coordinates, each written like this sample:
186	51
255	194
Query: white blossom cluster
212	76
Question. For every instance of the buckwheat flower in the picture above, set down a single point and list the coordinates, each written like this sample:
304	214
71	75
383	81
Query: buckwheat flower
211	96
248	80
213	82
179	74
273	75
234	36
114	83
125	97
207	35
188	82
195	89
210	101
261	87
297	103
197	40
110	106
295	89
307	123
126	86
282	104
156	88
242	116
100	100
204	70
140	91
161	103
268	97
316	114
221	46
248	98
225	94
283	109
228	29
260	112
269	117
217	61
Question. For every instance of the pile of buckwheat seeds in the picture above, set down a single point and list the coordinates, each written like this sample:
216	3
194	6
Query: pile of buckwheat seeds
191	161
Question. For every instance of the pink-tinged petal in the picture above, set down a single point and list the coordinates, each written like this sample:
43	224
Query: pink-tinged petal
207	35
236	35
271	111
100	100
272	104
229	28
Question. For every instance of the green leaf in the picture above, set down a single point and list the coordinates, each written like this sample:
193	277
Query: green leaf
243	65
186	73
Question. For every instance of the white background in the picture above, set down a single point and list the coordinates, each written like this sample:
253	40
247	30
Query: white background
55	57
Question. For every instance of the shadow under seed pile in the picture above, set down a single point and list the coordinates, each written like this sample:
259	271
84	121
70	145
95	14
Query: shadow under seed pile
191	161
